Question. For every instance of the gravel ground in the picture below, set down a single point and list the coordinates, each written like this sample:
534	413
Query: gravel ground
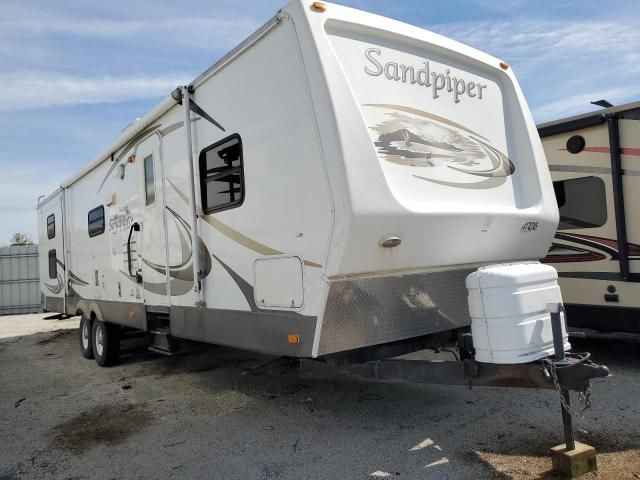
198	416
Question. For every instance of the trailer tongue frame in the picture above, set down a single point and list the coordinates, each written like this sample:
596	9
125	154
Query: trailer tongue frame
563	372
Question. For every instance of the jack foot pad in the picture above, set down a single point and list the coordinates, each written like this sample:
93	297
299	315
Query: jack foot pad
575	462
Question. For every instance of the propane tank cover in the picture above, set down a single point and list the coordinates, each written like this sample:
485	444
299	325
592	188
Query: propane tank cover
510	321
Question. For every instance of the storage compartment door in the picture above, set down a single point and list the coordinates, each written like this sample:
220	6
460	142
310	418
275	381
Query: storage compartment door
278	283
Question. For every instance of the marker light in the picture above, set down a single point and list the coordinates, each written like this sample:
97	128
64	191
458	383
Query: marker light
321	7
389	241
504	65
294	339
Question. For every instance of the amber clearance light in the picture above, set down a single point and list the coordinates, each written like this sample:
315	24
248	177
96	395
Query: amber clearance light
319	6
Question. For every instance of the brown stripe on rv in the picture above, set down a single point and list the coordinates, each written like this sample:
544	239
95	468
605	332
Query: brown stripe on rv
624	151
596	170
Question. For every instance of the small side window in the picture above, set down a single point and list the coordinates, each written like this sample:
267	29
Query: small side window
222	175
96	221
582	203
149	181
53	267
51	226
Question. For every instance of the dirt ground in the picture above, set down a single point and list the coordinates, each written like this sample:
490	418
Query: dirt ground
199	416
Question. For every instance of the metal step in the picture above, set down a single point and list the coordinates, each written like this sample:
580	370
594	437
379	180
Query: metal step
161	341
163	310
161	351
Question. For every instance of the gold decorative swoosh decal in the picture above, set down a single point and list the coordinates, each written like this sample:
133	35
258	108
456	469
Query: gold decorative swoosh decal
184	269
234	234
421	113
123	151
57	288
488	183
438	147
73	279
140	137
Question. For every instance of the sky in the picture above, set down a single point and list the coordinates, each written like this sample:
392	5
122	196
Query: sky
74	73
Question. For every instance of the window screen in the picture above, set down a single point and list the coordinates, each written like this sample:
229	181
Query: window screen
221	175
53	268
96	221
149	182
582	202
51	226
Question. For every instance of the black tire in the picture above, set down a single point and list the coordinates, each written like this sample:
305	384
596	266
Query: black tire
85	336
106	343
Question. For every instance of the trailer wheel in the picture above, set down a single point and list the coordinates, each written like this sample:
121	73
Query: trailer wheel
106	343
85	334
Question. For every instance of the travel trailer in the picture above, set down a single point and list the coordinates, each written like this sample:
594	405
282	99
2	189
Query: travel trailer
592	158
325	187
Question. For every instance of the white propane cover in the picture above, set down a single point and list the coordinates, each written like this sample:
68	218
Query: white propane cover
508	307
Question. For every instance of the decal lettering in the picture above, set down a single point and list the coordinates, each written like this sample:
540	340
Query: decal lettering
121	220
438	82
369	54
391	71
529	227
423	76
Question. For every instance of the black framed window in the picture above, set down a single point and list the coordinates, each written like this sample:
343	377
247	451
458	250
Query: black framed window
53	260
222	175
149	181
96	221
51	226
582	202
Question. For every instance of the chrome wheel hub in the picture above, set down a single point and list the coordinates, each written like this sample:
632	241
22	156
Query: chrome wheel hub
85	335
99	341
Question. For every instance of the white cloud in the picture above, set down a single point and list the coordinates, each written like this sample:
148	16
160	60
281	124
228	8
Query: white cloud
561	65
20	187
580	102
25	90
197	32
43	61
547	38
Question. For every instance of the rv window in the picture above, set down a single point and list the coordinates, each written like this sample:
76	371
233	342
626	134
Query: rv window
582	202
96	221
51	226
149	183
53	260
221	175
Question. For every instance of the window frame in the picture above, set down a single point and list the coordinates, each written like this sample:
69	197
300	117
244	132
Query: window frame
563	223
104	222
204	179
51	217
53	272
147	203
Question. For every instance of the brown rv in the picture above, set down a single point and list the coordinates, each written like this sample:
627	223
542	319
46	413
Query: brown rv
595	165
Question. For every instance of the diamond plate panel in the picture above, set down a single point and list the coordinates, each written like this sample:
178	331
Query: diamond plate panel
374	310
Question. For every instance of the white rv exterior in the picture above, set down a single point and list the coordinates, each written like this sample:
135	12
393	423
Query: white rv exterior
366	167
593	161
